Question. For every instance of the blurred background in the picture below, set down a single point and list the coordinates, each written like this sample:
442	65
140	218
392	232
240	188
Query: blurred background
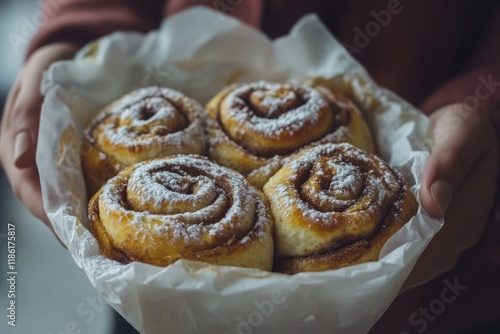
53	295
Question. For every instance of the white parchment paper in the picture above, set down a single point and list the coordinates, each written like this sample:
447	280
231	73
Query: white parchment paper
199	52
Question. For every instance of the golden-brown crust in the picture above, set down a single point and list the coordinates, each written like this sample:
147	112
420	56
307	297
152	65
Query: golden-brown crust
97	229
97	167
182	207
254	128
254	154
144	124
335	206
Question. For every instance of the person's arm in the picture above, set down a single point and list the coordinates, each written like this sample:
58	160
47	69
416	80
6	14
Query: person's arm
80	21
68	26
460	176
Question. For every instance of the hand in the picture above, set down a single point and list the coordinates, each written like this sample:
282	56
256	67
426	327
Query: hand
19	128
458	181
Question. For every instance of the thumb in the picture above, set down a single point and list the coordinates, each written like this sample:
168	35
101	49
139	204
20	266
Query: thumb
23	120
24	123
461	138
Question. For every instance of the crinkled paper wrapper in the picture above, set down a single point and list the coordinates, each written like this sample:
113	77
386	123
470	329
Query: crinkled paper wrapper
199	52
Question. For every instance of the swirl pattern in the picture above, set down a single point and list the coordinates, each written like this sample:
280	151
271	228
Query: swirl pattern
147	123
253	128
182	207
335	205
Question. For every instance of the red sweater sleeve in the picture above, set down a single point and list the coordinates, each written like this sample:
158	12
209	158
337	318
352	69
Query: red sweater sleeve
80	21
478	88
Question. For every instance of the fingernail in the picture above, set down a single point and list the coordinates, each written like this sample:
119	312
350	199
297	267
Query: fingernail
441	192
21	145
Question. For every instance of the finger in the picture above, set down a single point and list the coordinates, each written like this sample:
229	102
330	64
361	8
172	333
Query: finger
24	125
461	138
465	221
20	120
25	183
24	115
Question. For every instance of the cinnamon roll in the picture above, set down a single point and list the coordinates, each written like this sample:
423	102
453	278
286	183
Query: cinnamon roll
182	207
253	128
144	124
335	205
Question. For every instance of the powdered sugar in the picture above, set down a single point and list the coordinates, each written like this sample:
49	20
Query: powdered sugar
264	123
169	191
288	117
149	122
337	187
189	200
273	101
353	176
